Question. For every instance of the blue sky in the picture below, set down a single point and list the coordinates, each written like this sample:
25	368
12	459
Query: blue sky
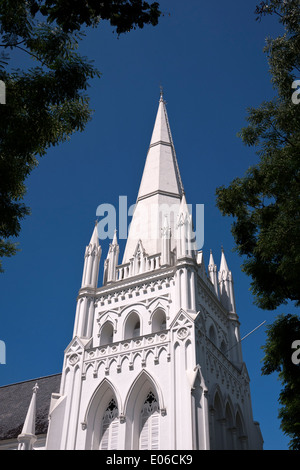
208	56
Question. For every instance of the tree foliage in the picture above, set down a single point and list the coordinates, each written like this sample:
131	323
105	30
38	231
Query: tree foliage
265	201
46	99
122	14
281	336
265	205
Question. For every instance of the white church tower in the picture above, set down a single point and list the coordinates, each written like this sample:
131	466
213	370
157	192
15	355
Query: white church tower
155	361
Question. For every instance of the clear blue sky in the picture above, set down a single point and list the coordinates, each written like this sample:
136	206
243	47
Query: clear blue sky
209	58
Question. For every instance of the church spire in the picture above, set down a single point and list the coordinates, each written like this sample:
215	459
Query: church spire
111	262
161	172
223	264
212	269
184	236
226	285
91	261
27	437
160	191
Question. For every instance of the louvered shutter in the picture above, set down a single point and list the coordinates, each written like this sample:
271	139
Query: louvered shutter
114	428
105	436
110	428
154	430
144	438
149	426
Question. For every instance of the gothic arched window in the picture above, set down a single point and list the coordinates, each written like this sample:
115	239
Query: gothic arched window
107	333
158	321
217	415
212	335
240	434
149	424
223	348
110	427
229	428
133	326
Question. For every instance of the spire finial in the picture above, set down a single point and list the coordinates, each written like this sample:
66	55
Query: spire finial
223	265
115	241
161	93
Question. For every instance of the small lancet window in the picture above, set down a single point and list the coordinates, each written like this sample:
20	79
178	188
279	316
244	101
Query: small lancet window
110	427
132	326
107	333
212	334
223	347
159	321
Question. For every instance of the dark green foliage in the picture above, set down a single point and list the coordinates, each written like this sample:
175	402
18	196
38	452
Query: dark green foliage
265	201
123	14
278	358
265	205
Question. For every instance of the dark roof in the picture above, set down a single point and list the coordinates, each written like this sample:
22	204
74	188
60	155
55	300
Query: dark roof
15	400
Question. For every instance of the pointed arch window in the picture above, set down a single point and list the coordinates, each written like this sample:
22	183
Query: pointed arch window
158	321
133	326
217	415
241	436
110	427
212	335
149	424
107	333
229	428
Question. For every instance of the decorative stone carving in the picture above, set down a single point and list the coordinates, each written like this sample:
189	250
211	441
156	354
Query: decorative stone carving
73	359
182	333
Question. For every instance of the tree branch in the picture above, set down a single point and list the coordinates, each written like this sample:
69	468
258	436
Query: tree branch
283	138
12	45
31	53
17	45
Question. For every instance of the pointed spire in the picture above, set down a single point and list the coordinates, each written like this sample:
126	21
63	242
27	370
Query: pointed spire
161	171
115	239
27	437
92	260
212	269
185	237
161	131
111	262
183	213
226	285
94	238
211	259
160	190
223	264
